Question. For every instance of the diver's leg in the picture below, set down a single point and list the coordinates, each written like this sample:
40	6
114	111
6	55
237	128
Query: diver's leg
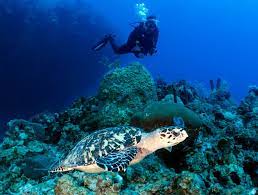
102	43
119	49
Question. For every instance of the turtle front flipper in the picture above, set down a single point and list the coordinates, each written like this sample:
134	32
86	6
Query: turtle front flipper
117	161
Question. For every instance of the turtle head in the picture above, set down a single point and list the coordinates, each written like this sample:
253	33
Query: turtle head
171	136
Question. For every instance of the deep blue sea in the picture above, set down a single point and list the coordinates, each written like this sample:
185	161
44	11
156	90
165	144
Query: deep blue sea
46	59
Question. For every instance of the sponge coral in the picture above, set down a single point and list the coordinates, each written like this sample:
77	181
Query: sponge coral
161	114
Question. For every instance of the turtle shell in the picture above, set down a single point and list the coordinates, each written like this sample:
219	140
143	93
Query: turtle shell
101	143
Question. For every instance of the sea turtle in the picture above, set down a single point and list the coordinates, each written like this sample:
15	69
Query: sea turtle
114	149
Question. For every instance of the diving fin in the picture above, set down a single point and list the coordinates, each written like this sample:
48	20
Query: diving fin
102	43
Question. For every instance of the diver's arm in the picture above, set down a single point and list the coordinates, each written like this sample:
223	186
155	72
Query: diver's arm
155	41
134	36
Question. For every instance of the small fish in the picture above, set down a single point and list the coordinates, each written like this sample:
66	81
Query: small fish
178	121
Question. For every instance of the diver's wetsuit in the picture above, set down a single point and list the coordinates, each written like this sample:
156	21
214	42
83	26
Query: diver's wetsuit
141	38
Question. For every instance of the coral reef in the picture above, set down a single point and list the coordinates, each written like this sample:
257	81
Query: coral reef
221	158
221	94
181	89
248	108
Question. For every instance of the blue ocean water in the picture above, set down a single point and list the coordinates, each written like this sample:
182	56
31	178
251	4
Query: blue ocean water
200	40
45	47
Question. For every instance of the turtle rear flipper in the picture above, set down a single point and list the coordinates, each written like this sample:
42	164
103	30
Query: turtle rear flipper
117	161
61	169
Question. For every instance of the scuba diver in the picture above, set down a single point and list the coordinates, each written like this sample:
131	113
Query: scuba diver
141	41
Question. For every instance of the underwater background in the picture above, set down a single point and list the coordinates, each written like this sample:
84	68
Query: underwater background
46	59
55	90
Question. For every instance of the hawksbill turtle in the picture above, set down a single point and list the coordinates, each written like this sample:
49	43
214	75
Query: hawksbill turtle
114	149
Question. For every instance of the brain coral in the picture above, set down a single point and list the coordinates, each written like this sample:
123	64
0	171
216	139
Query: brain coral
132	85
124	91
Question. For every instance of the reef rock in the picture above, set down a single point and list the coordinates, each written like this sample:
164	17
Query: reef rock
181	91
83	183
221	95
248	108
67	185
33	130
37	166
